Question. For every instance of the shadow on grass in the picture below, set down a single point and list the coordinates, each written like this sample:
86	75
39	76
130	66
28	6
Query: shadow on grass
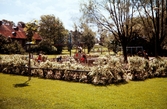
120	83
22	84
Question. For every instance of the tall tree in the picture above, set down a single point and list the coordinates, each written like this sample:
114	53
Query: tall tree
114	15
88	37
152	14
52	29
76	35
30	29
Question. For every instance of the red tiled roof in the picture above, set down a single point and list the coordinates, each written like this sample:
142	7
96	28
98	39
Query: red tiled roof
6	30
37	37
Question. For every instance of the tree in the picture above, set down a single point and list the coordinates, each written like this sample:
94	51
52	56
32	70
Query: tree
7	22
7	46
88	37
114	15
46	47
152	14
76	35
21	24
52	29
30	29
104	39
113	45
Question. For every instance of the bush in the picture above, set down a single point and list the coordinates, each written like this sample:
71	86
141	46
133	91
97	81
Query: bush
15	48
106	69
10	47
46	47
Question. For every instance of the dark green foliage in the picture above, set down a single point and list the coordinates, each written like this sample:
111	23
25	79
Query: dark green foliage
59	49
88	37
7	46
114	45
16	48
31	28
46	47
52	30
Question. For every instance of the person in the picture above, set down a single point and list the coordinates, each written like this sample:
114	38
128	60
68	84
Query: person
31	56
80	49
39	57
83	59
59	59
140	53
78	54
145	54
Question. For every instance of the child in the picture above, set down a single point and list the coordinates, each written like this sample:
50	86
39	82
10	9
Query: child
39	58
83	59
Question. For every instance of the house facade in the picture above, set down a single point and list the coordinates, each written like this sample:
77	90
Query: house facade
7	29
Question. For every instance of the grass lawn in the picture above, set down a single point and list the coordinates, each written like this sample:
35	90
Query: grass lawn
55	94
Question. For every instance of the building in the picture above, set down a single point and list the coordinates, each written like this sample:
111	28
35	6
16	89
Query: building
8	29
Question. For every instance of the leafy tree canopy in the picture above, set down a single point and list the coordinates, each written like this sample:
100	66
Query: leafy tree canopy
52	29
88	37
30	29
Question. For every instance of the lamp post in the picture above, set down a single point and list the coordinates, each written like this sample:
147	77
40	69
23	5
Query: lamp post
29	58
29	63
70	42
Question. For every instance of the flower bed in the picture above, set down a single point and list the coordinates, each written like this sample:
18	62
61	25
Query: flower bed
106	70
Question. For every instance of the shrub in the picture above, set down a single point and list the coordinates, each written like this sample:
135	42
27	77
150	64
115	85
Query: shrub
10	47
46	47
106	69
138	67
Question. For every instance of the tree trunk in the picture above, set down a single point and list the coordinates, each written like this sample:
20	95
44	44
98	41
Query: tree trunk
157	30
89	49
124	52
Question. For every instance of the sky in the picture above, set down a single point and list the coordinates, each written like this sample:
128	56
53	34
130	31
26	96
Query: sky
27	10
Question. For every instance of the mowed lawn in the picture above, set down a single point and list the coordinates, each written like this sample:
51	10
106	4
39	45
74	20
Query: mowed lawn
54	94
